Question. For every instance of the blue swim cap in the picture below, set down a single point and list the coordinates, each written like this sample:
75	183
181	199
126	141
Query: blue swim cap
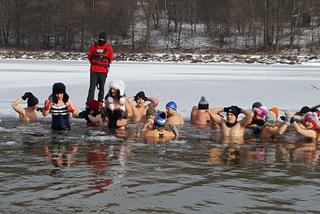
172	105
160	118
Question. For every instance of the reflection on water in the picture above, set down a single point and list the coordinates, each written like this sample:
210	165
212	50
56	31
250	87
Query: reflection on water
92	170
61	154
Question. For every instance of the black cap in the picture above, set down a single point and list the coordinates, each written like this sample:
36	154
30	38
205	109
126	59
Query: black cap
141	95
58	88
103	35
234	110
32	101
306	109
203	103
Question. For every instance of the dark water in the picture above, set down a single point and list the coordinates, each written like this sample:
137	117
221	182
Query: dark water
90	170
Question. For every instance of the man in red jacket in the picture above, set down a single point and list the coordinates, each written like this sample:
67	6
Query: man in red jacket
100	55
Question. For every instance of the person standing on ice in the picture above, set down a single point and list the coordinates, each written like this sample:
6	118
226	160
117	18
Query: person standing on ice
100	55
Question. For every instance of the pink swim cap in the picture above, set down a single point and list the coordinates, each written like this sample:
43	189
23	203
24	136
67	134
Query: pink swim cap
261	111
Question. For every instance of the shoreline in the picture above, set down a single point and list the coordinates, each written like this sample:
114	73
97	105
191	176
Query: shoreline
183	57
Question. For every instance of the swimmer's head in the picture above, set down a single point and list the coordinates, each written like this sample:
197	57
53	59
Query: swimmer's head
160	118
151	111
172	105
256	105
271	118
203	103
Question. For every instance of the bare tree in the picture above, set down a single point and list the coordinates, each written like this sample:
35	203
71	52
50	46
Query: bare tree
74	24
294	21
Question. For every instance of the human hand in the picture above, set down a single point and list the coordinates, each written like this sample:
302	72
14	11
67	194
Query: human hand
83	114
293	119
40	109
27	95
71	109
47	105
237	108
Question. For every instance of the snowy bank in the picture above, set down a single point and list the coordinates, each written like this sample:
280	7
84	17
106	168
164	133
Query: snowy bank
179	57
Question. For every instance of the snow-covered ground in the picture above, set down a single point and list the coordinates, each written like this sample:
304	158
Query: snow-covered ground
284	86
197	56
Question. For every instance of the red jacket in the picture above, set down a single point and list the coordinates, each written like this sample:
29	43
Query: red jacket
100	57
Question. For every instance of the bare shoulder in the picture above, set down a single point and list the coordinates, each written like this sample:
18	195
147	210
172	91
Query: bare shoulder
180	115
69	101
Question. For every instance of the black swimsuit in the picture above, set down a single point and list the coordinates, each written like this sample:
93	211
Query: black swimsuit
60	117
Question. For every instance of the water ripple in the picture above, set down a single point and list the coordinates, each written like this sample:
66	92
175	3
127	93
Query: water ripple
92	171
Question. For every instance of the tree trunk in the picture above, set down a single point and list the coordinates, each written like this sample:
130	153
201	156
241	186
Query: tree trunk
147	42
295	14
82	26
179	35
133	46
278	26
253	20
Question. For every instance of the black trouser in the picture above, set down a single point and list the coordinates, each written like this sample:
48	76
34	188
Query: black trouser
97	78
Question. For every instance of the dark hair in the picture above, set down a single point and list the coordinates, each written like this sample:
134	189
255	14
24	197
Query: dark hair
304	110
59	88
141	95
256	105
65	98
114	97
32	101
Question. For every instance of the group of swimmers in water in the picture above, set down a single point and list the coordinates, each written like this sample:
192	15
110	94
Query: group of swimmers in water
117	110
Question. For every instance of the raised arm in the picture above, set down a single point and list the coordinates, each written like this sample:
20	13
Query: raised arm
16	106
299	127
305	132
47	107
315	107
214	115
129	108
276	132
247	119
282	128
153	101
132	110
193	112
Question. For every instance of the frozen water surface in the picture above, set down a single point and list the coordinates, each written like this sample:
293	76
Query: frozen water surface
91	170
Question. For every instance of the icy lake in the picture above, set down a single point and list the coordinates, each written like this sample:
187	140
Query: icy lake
197	173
